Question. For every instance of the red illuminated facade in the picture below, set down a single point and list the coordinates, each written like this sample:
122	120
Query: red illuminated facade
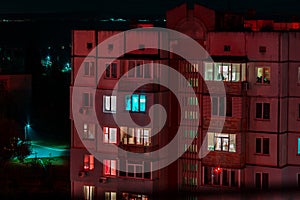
259	146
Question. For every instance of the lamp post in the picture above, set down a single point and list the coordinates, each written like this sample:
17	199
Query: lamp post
27	126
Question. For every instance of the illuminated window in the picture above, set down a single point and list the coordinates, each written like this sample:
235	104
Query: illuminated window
136	136
110	135
89	192
262	146
262	111
299	146
193	148
111	70
109	104
261	180
221	142
191	115
219	108
89	131
137	169
135	103
89	163
110	167
263	75
89	68
130	196
189	68
233	72
194	82
110	196
87	99
139	69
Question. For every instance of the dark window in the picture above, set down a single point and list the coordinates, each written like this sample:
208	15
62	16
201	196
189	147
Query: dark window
298	175
110	47
258	145
262	49
258	180
89	45
265	180
262	111
262	145
111	70
227	48
215	106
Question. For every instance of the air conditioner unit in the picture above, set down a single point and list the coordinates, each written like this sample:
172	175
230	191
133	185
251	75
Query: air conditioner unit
103	180
82	174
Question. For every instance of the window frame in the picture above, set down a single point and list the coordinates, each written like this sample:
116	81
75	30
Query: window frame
89	129
138	140
236	71
260	181
110	195
108	169
136	174
141	69
89	68
89	97
263	113
110	69
89	192
107	135
261	80
231	142
88	162
216	106
260	146
129	100
112	104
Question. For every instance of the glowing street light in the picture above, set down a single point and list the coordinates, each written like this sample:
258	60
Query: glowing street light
26	129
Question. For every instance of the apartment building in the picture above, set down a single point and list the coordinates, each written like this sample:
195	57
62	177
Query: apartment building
259	146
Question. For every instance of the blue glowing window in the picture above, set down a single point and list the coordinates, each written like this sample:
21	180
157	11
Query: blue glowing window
142	103
127	102
135	103
298	145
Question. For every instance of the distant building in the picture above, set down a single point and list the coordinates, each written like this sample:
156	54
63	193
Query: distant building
259	146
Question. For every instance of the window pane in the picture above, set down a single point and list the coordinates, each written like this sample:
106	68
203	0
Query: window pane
139	171
86	68
258	145
106	103
259	74
113	135
226	69
298	74
113	105
267	75
298	145
138	136
265	180
266	111
139	69
258	180
218	72
92	68
229	106
114	70
266	146
222	107
107	71
131	71
224	144
218	144
215	106
142	103
258	110
208	71
210	142
244	78
147	70
127	102
113	167
146	137
86	100
236	72
232	146
135	103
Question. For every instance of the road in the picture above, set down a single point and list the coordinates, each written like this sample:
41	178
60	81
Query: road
41	151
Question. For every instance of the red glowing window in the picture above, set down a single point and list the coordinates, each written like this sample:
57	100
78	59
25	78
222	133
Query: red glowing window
89	162
110	167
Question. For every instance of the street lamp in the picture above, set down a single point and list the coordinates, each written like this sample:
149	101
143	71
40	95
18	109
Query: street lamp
26	128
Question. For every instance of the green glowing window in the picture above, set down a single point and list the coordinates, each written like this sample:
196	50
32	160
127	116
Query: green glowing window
135	103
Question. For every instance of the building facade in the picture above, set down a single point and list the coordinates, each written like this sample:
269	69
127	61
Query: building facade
259	146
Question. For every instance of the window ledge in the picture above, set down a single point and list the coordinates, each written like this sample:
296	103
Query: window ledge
263	84
258	119
261	154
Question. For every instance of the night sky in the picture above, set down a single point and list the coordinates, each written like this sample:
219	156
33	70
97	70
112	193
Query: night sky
144	8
